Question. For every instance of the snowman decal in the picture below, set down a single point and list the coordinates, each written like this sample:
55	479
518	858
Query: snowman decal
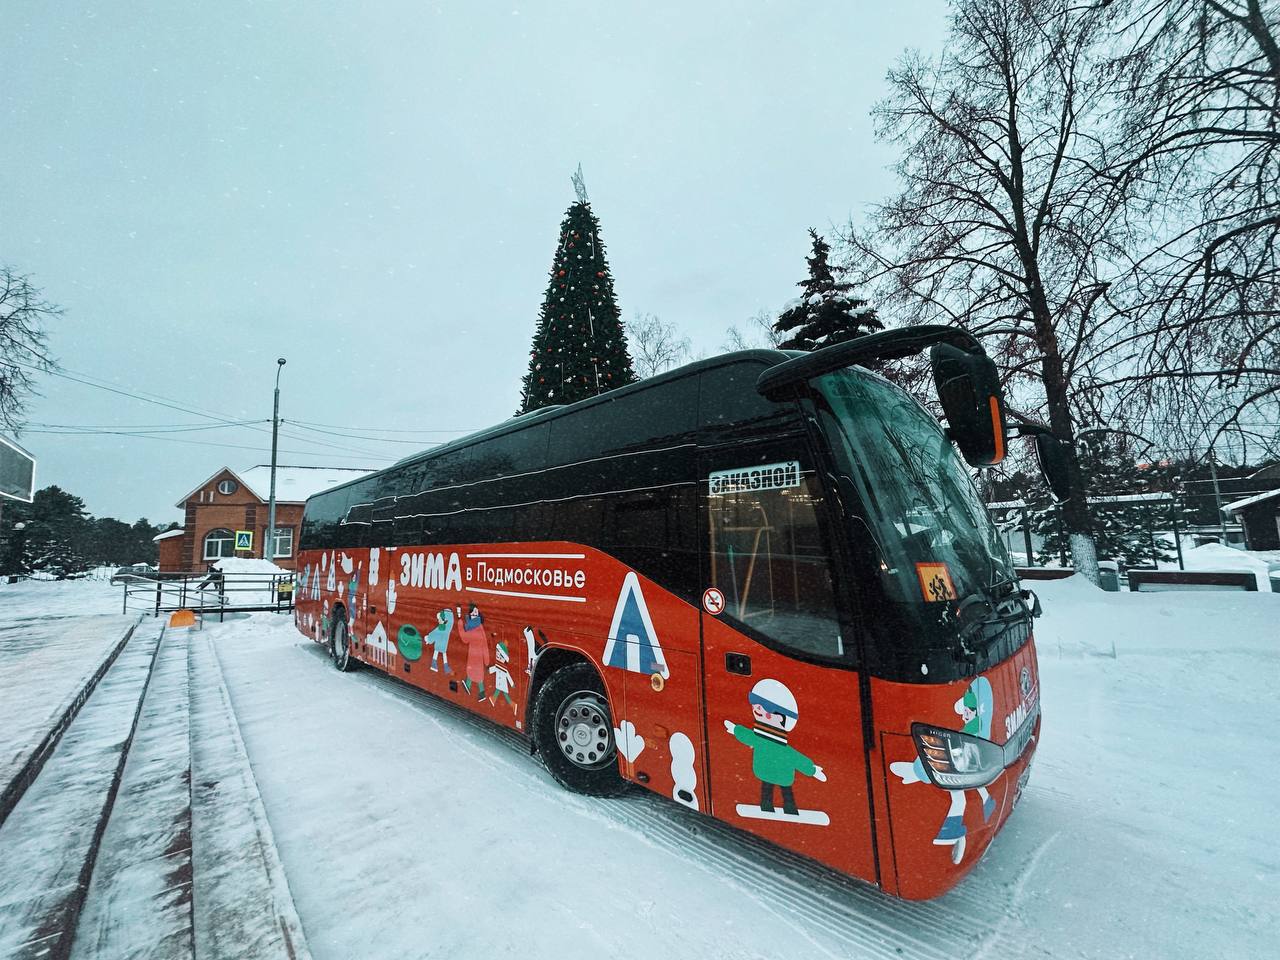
775	762
683	774
974	709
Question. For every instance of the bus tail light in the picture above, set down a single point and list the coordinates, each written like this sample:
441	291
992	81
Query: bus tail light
955	760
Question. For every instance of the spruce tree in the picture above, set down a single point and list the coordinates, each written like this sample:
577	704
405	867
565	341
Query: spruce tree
579	347
828	311
52	541
1125	526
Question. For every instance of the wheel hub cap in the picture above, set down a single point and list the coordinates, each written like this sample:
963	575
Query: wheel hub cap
584	731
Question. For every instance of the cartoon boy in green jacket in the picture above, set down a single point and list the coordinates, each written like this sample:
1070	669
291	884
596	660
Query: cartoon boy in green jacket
776	763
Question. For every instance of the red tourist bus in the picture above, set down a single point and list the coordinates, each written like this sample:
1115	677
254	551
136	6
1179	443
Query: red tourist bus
762	585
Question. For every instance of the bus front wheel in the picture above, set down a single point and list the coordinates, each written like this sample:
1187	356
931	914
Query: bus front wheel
340	646
573	731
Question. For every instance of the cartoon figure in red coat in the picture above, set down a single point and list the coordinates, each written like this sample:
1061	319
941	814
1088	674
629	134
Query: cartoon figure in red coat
471	629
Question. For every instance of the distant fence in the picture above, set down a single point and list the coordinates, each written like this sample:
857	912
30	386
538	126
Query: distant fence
1160	510
208	595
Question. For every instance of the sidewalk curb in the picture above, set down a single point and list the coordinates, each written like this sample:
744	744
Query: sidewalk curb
280	935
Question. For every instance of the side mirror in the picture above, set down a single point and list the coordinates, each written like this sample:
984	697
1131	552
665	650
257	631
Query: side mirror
1052	458
969	388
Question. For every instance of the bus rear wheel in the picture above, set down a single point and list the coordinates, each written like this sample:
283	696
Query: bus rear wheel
340	646
573	731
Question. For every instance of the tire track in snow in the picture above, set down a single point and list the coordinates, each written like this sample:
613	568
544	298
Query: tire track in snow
997	943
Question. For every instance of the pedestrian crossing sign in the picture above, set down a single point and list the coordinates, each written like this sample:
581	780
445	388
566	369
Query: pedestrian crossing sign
244	539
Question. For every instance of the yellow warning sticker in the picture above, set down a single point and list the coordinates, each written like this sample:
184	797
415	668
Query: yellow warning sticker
935	582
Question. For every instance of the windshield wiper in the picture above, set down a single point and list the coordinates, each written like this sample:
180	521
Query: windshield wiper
979	610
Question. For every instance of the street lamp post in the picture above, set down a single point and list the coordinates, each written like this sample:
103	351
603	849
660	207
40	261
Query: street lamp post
268	546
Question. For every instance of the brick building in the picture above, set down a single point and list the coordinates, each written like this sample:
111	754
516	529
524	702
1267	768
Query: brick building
230	501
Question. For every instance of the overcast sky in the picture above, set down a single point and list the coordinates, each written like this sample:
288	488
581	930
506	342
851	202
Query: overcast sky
374	190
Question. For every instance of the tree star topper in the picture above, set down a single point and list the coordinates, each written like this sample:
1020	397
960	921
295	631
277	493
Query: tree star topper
579	185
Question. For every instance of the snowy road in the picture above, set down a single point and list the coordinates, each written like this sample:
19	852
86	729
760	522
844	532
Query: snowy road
408	829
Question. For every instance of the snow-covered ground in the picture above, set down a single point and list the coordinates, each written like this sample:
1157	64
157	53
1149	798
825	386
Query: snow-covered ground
30	599
408	829
1214	556
53	637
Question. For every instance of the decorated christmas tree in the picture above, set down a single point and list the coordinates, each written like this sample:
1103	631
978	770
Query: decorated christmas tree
827	311
579	348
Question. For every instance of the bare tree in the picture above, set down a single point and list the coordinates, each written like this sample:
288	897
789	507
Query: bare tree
24	314
1007	223
656	345
759	331
1203	111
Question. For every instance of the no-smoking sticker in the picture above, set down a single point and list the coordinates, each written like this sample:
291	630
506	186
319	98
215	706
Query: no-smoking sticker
713	601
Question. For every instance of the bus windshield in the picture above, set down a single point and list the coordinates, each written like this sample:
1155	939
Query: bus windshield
934	538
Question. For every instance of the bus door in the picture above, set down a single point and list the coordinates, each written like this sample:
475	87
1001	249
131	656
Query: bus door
785	742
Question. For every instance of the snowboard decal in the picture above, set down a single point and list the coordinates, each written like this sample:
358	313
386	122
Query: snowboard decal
774	761
815	817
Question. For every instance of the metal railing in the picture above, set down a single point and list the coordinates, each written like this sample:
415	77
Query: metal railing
206	595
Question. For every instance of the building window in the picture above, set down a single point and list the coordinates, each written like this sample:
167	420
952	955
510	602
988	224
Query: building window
283	542
219	544
228	486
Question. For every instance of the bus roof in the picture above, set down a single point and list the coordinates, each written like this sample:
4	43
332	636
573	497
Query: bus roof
766	357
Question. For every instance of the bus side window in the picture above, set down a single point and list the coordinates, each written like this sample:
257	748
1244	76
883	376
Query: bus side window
653	531
354	529
729	409
504	498
766	554
320	529
406	524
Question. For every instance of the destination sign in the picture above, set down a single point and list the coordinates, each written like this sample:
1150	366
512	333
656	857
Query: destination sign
765	476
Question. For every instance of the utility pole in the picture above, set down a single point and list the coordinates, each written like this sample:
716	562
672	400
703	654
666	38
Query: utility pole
269	541
1217	495
1177	534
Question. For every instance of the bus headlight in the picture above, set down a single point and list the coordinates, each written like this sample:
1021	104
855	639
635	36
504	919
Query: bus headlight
955	760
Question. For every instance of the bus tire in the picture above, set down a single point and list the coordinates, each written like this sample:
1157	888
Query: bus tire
571	722
340	646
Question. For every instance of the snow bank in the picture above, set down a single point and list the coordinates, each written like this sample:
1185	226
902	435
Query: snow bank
58	598
1214	557
250	565
1080	619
